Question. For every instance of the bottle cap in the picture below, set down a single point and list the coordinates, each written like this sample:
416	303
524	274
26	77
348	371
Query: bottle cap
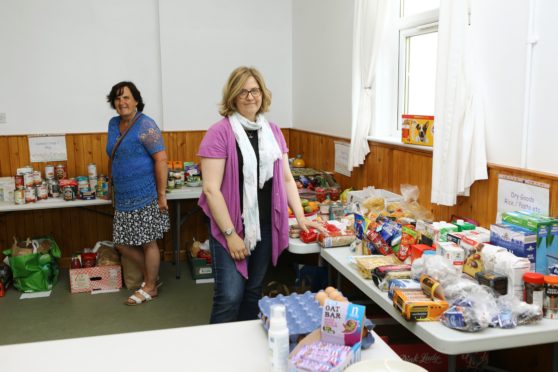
278	316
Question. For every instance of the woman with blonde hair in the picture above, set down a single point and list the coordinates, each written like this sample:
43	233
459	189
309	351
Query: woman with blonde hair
247	189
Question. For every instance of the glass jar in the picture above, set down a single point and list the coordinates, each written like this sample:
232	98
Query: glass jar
533	284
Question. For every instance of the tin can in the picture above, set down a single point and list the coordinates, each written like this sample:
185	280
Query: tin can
19	181
49	171
30	195
75	262
53	188
92	170
60	171
37	178
19	195
93	183
42	191
28	179
550	304
102	188
170	181
68	193
178	179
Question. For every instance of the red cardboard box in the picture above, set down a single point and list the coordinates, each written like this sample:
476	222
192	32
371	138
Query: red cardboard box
418	249
95	278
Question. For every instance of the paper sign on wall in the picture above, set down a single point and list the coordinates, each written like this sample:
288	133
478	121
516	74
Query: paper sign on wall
342	158
515	194
47	148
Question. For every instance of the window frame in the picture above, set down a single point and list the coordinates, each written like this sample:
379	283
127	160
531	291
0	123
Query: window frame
414	25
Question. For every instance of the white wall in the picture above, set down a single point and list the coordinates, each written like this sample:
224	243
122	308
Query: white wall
203	41
542	140
322	59
59	59
322	32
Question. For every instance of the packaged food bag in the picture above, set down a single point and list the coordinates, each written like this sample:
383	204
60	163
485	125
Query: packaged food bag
34	264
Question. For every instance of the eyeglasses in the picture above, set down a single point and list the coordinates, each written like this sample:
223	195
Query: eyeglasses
255	92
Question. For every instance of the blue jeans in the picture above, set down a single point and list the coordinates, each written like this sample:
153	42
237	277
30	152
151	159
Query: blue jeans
236	298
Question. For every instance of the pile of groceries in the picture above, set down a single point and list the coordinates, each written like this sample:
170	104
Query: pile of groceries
466	276
315	331
181	174
29	186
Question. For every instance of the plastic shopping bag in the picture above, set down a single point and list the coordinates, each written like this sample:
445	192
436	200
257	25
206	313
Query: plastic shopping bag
34	264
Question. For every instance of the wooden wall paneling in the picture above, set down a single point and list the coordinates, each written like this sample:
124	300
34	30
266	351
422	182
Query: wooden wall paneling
71	155
5	166
554	198
15	157
97	150
80	156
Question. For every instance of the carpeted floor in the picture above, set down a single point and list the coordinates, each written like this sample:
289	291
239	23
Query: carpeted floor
181	303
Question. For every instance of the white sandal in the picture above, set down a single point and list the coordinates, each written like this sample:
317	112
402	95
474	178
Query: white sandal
145	297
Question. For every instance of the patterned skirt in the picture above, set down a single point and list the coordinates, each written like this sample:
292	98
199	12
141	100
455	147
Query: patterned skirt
140	226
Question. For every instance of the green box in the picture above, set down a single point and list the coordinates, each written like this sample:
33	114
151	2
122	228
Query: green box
200	268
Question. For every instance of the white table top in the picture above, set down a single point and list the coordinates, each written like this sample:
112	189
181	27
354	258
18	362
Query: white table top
239	346
435	334
299	247
51	203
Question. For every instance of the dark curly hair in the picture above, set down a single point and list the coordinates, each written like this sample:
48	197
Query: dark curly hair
117	91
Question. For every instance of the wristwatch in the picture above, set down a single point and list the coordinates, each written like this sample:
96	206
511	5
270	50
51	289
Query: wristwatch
228	232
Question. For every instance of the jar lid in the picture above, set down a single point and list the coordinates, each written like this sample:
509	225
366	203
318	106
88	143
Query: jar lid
551	279
535	278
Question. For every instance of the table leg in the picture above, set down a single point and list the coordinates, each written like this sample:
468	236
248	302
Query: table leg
555	357
176	237
452	363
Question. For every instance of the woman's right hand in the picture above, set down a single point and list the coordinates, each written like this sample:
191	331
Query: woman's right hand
237	249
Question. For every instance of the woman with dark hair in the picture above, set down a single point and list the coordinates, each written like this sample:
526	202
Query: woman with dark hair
247	185
139	178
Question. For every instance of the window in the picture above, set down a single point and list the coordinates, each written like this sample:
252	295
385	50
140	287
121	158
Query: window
418	41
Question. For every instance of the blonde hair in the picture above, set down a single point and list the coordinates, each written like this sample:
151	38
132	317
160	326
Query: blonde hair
234	85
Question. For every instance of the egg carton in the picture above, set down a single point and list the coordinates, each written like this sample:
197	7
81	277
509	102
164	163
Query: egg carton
304	313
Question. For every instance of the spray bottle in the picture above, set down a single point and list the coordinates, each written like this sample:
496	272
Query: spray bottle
278	338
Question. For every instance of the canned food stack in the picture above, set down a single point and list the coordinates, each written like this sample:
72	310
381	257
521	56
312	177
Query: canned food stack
30	187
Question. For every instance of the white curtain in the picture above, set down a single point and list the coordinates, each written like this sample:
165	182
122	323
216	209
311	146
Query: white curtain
370	19
459	140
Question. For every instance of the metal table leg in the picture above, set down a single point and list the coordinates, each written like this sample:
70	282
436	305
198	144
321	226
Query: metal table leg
555	357
452	363
176	237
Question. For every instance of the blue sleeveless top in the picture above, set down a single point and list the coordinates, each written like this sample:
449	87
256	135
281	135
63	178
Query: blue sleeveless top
133	171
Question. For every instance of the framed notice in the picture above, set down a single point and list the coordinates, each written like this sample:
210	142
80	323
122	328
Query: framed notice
342	158
516	194
43	148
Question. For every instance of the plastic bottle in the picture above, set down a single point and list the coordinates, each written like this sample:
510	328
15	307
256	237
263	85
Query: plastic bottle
278	338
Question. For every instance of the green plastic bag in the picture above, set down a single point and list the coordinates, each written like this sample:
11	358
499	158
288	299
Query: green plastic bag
36	272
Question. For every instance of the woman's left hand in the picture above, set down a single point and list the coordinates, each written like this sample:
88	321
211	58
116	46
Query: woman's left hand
305	223
162	202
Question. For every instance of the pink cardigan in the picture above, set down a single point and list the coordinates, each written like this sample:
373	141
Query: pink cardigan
219	142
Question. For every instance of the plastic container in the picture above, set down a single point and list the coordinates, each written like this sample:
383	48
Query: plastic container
550	297
533	292
278	338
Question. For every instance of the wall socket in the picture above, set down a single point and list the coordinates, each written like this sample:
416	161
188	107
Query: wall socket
3	118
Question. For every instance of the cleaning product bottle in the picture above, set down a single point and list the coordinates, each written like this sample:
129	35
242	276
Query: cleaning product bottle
278	338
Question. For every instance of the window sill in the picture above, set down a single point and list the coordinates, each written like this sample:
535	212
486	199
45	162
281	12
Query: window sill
396	141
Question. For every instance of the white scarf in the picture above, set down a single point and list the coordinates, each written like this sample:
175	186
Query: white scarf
269	152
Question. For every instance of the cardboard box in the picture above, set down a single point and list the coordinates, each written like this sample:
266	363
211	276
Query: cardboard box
341	324
95	278
417	130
